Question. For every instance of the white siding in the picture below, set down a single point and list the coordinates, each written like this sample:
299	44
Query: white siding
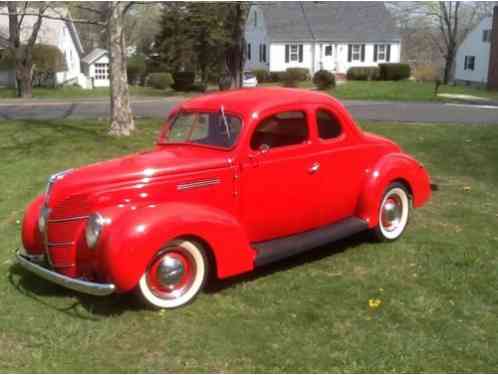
337	63
92	76
256	36
66	44
473	45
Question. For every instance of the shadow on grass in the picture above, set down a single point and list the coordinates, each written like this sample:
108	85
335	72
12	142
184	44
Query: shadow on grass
93	308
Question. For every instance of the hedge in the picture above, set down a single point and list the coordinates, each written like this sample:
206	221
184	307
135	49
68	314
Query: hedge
159	81
277	76
394	72
136	69
357	73
323	80
261	75
298	74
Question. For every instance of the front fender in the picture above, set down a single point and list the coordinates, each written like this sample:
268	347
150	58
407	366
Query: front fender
132	238
390	168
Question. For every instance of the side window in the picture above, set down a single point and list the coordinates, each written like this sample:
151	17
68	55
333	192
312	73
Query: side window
283	129
328	125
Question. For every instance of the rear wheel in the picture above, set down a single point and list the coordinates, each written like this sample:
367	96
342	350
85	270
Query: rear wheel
393	213
175	276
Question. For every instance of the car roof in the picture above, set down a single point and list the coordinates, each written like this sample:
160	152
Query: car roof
249	100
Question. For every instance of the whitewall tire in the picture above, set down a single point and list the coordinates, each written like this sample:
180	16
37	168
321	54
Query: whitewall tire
393	213
175	275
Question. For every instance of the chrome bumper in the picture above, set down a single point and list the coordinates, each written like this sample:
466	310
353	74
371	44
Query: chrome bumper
82	286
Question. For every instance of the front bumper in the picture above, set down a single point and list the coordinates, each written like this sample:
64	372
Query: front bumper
78	285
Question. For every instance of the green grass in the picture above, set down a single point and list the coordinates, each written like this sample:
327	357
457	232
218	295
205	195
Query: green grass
400	91
438	283
70	92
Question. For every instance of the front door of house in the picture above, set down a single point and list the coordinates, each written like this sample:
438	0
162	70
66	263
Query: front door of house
328	57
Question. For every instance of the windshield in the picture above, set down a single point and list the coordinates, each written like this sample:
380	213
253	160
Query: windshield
211	129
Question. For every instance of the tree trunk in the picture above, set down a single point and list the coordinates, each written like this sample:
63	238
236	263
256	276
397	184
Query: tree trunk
448	66
236	54
24	81
122	123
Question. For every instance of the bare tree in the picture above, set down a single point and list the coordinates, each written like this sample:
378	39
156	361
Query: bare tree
22	53
110	17
446	22
236	50
122	122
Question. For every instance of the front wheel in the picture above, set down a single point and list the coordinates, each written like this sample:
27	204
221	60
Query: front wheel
175	275
393	213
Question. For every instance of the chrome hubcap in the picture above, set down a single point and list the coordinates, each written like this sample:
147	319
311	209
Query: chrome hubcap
391	213
170	271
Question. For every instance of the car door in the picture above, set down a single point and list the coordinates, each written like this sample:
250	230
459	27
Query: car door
342	165
278	182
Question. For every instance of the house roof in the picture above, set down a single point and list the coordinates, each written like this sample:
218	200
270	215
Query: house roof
337	21
96	54
50	29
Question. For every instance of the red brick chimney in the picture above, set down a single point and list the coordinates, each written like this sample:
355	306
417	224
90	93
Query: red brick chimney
493	53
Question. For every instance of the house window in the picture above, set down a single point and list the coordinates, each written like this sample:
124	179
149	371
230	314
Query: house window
469	63
101	71
486	35
356	52
328	50
381	52
293	53
248	51
262	53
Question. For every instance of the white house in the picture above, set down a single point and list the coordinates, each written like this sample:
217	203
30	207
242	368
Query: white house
59	33
95	66
473	58
320	35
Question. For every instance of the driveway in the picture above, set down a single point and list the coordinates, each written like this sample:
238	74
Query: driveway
159	107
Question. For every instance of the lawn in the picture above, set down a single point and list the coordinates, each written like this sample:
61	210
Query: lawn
400	91
72	92
358	90
438	283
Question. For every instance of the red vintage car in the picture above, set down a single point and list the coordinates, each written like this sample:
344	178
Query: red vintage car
236	180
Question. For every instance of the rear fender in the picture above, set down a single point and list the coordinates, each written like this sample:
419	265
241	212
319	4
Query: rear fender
390	168
131	240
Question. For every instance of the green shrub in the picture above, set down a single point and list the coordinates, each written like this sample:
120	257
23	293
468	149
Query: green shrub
356	73
298	74
323	80
277	76
136	69
183	81
261	75
159	81
394	72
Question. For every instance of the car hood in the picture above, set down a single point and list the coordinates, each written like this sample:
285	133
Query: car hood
137	168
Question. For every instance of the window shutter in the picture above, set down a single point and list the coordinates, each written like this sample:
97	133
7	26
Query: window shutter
465	63
362	52
249	51
375	52
264	52
286	53
350	52
300	53
260	54
388	53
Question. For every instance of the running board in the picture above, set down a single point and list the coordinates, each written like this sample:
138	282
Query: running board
280	248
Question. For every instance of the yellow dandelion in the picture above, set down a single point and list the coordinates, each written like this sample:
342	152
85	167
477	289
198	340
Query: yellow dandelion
467	188
374	303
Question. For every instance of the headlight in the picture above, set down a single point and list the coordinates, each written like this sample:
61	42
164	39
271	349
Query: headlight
42	220
94	229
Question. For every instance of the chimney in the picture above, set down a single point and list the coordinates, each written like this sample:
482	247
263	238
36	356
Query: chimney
493	53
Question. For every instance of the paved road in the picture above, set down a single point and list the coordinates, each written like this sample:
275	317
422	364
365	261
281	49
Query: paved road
152	107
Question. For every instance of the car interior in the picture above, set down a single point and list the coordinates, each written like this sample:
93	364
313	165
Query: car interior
283	129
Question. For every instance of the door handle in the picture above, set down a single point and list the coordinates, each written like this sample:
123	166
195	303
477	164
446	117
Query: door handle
315	167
